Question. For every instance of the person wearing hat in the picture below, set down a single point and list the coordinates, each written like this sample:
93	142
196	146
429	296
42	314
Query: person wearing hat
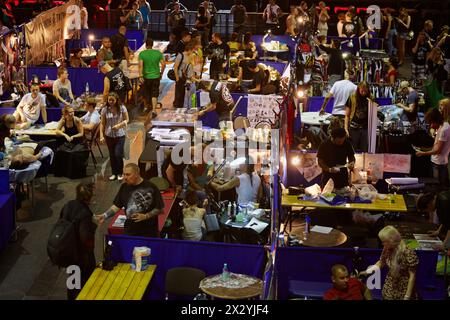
412	100
115	81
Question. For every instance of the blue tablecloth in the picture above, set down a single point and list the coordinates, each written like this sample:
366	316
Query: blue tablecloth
6	218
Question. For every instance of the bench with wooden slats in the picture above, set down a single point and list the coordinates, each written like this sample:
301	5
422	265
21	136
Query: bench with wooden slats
121	283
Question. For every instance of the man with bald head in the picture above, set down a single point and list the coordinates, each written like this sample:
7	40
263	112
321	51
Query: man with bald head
345	287
141	201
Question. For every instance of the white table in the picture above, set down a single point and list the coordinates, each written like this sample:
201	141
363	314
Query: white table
315	119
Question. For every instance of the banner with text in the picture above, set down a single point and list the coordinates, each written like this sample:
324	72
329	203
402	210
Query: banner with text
46	34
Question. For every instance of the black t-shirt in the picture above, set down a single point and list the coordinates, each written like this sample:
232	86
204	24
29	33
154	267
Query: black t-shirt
219	54
350	29
220	95
202	20
141	198
118	42
336	62
246	73
258	78
446	47
333	155
360	116
117	82
420	57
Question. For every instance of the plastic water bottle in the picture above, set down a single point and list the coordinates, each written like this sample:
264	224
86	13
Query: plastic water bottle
307	227
87	88
225	273
46	78
229	209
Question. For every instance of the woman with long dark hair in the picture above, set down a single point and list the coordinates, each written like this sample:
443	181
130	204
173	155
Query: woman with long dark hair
356	117
113	130
247	184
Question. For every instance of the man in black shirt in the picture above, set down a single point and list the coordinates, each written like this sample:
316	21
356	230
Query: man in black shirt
258	76
221	99
333	155
219	52
141	201
119	45
356	117
335	61
115	81
245	76
184	37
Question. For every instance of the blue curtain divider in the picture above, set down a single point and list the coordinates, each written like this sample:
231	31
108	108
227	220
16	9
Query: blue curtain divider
77	76
207	256
315	103
314	265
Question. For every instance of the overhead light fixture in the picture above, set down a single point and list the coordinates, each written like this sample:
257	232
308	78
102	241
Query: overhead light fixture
300	93
91	37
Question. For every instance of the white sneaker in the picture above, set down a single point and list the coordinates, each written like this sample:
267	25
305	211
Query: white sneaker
120	177
113	177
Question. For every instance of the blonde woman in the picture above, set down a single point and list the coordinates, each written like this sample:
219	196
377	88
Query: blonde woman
444	109
402	263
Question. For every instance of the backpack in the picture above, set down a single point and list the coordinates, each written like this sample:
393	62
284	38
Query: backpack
62	244
171	72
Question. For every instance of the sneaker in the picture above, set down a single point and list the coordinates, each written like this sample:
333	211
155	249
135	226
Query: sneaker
120	177
113	177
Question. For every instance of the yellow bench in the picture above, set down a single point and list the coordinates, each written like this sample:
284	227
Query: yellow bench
121	283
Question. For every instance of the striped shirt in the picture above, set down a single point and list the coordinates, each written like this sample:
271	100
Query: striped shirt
113	119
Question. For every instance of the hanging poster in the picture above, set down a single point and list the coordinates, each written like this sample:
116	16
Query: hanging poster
261	108
399	163
374	163
46	34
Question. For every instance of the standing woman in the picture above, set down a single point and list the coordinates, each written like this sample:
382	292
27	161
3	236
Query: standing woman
322	25
62	88
113	126
402	263
403	26
392	74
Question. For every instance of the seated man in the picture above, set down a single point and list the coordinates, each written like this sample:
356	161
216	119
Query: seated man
345	287
437	205
30	108
91	119
259	77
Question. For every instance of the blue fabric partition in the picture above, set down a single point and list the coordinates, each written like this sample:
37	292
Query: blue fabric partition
133	36
6	217
77	76
314	265
207	256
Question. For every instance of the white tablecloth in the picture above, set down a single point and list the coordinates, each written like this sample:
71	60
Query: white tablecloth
313	118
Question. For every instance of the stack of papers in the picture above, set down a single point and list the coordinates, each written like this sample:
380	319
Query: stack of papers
320	229
427	242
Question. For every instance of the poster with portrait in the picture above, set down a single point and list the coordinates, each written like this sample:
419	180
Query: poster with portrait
308	166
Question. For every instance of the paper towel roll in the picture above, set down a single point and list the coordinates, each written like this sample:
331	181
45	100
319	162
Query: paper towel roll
403	180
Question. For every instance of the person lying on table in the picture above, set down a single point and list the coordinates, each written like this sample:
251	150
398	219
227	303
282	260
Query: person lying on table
247	184
70	127
141	201
221	100
346	287
334	153
24	155
30	108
